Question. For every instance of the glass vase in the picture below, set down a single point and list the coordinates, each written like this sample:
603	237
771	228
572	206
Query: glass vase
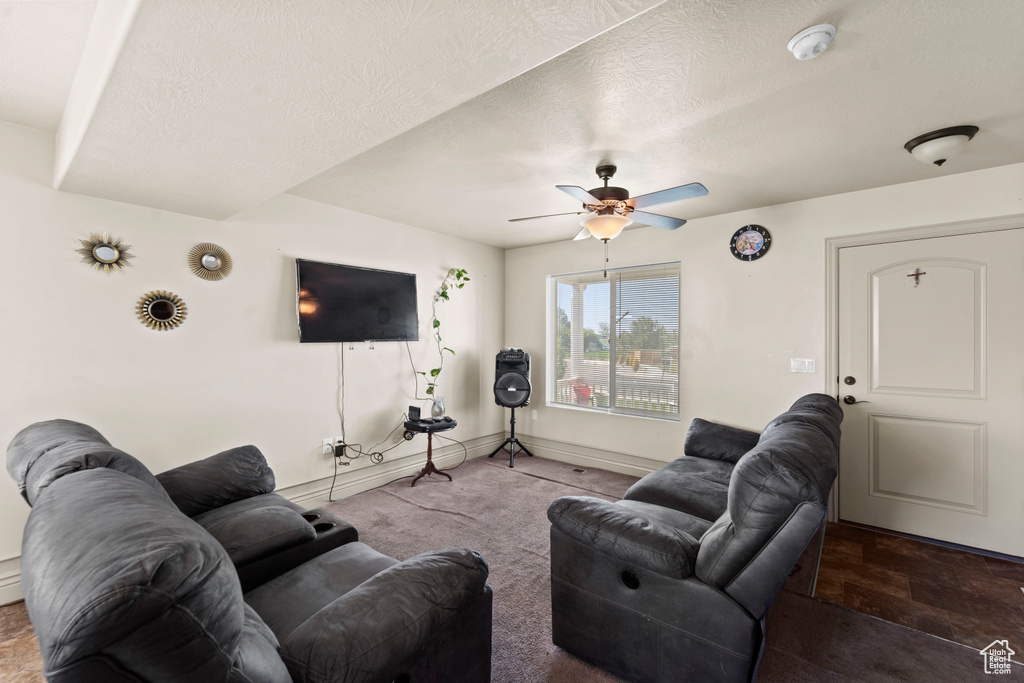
437	408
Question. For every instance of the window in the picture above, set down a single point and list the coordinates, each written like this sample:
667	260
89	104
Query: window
614	341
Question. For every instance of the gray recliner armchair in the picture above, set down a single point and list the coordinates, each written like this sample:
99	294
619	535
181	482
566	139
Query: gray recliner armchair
122	585
672	583
229	494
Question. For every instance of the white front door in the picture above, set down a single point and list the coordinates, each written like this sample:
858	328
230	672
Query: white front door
931	346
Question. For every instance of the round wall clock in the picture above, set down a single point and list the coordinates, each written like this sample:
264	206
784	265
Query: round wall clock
750	243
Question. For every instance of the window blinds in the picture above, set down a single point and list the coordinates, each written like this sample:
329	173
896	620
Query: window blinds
615	341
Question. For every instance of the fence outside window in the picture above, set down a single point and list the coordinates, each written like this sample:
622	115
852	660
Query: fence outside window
615	341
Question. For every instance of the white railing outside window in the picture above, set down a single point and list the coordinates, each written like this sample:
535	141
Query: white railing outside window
614	341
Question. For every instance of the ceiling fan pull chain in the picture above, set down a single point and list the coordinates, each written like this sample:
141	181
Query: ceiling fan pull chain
605	257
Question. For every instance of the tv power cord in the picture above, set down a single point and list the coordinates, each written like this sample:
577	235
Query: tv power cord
342	450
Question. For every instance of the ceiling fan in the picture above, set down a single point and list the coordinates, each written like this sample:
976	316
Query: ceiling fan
610	209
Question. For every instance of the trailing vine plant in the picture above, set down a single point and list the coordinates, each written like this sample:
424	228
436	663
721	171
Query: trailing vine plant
456	278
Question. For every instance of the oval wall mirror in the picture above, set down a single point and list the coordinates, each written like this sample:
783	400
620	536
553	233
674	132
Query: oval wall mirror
105	252
209	261
161	310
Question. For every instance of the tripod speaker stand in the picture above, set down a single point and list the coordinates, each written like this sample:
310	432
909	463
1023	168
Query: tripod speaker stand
511	442
512	389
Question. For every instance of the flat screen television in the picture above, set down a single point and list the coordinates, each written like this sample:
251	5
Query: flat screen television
339	303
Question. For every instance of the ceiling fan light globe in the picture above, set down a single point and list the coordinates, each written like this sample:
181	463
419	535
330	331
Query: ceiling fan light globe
605	227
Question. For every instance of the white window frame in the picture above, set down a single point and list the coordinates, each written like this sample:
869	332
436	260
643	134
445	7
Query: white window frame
550	340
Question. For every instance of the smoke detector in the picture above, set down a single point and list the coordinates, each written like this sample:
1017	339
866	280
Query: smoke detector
812	41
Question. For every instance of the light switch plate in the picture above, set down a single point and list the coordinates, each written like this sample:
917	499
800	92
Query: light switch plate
801	365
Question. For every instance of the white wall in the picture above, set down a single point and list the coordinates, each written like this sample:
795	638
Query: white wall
234	372
740	322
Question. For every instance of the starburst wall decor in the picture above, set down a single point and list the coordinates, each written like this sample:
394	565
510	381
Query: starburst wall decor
161	310
209	261
105	252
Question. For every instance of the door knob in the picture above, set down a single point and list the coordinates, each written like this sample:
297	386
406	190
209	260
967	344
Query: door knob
849	400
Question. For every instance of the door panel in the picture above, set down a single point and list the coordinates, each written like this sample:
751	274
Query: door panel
932	462
905	321
932	332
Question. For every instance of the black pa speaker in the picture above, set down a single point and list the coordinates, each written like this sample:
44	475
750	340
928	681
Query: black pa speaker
512	378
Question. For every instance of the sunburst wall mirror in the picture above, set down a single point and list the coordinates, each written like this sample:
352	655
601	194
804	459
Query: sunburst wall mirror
209	261
105	252
161	310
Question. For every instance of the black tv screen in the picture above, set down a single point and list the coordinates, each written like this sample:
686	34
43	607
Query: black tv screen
339	303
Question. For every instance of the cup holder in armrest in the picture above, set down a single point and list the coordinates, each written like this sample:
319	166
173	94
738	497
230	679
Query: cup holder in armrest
323	527
310	516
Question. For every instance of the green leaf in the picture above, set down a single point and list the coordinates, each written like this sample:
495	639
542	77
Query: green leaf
437	323
435	372
422	373
447	349
430	390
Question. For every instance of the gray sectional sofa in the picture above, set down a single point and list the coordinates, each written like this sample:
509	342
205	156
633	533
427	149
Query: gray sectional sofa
134	577
672	583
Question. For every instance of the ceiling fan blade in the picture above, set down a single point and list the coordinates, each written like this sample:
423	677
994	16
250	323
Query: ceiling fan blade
580	194
549	215
657	220
673	194
581	235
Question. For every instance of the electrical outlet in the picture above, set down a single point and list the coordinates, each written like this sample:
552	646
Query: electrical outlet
328	447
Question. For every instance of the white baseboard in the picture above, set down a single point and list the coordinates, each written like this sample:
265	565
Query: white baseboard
316	493
10	581
575	454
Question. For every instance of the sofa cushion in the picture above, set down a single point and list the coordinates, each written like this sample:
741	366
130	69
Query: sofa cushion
810	410
219	515
44	452
681	521
112	572
259	532
717	441
258	652
386	620
290	599
625	534
794	462
696	486
213	482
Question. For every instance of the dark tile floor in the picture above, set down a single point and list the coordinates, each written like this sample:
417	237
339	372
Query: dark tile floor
961	596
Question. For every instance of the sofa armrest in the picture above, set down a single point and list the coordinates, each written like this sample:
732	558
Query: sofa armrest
716	441
378	625
234	474
625	534
254	534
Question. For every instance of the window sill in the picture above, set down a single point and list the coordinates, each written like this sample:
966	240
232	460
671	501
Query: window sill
669	417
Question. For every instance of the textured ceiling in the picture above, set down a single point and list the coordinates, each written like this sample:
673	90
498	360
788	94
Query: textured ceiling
456	115
707	92
40	45
216	106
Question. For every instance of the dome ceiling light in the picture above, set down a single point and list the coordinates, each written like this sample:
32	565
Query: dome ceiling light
940	146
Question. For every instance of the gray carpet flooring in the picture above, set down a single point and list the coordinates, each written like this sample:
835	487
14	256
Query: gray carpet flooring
501	513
